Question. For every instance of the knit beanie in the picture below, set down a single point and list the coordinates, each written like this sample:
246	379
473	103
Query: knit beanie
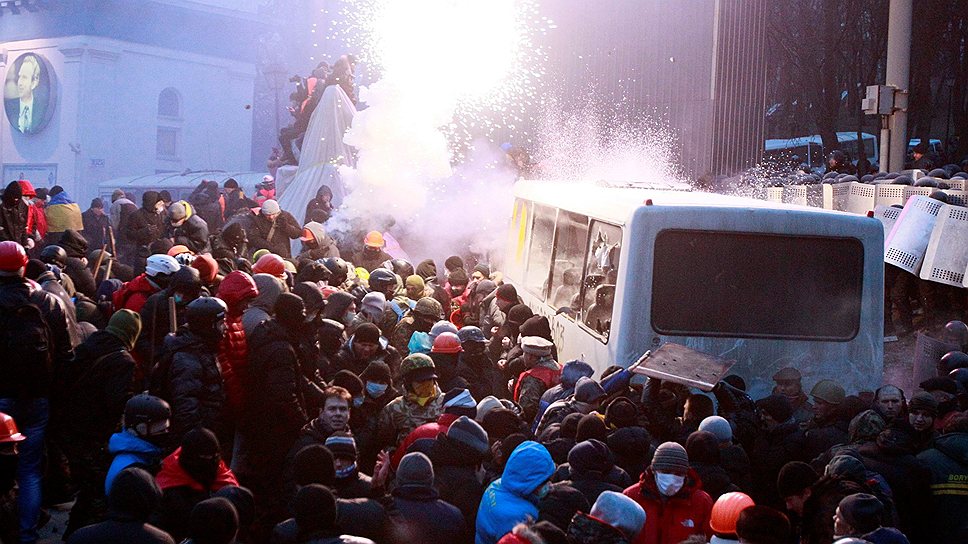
507	293
777	407
569	426
588	390
177	211
620	512
376	371
589	455
314	508
453	262
270	207
469	433
669	457
314	465
483	269
368	333
719	427
460	402
126	326
485	405
536	326
703	447
591	426
501	422
416	282
794	477
763	525
519	313
213	521
620	413
349	381
458	277
922	400
415	470
861	511
342	445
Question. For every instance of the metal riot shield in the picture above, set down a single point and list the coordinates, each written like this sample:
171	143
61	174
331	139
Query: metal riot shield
887	215
927	353
946	257
804	195
679	364
888	194
905	245
910	190
861	198
956	197
835	196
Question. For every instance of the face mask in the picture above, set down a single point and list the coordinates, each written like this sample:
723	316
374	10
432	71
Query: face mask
346	472
669	484
376	389
357	402
348	318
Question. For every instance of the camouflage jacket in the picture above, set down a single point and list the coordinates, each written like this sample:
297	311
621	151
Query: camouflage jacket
402	415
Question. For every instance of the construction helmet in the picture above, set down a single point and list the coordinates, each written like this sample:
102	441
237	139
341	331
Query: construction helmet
147	415
8	429
828	391
13	258
271	264
161	265
418	367
374	238
55	255
446	342
178	250
722	519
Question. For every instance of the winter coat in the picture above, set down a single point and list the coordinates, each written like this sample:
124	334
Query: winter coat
733	458
181	492
131	506
49	282
591	483
510	499
356	485
134	294
370	261
908	478
364	421
820	436
98	384
14	214
556	413
36	220
455	476
16	292
947	462
287	532
671	520
532	383
416	514
491	315
76	248
120	210
770	451
482	376
193	234
264	234
131	451
818	510
96	229
155	325
233	352
324	245
402	415
585	529
204	200
346	359
143	227
260	309
192	383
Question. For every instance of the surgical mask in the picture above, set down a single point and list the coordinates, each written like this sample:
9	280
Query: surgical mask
376	389
669	484
357	402
346	472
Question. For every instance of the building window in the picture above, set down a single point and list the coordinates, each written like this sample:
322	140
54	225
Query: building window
169	105
167	143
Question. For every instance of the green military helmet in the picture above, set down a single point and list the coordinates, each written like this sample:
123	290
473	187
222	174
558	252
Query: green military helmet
429	307
828	391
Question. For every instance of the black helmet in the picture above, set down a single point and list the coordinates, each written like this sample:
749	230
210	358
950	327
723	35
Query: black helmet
938	173
471	333
186	280
382	280
953	360
960	375
337	268
926	181
956	332
400	267
206	316
55	255
143	411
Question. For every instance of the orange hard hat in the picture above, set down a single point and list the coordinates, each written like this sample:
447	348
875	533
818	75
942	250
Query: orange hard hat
446	342
178	250
726	511
271	264
374	239
8	429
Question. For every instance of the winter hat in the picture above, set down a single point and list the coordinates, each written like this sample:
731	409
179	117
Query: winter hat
458	277
588	390
289	309
97	203
469	433
415	470
620	413
313	464
213	521
572	370
427	270
416	282
501	422
199	442
719	427
537	346
670	456
314	508
206	266
536	326
376	371
703	447
453	262
126	326
763	525
620	512
861	511
243	501
164	196
846	466
312	297
485	287
177	211
631	446
485	406
922	400
569	425
558	508
460	402
270	207
231	184
117	194
342	445
134	492
374	304
591	426
483	269
777	407
589	455
367	332
507	293
518	314
349	381
794	477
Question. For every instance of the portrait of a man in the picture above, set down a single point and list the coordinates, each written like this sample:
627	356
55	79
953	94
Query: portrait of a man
27	96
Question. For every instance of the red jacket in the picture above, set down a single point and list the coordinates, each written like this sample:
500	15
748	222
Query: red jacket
133	294
674	519
173	475
233	351
36	219
427	430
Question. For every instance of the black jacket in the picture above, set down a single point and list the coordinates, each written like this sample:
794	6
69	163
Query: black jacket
416	514
258	229
274	402
193	234
96	229
948	463
76	248
188	378
13	215
131	506
98	383
204	200
455	476
143	227
771	450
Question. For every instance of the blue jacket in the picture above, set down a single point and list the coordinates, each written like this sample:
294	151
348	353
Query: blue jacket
130	450
510	499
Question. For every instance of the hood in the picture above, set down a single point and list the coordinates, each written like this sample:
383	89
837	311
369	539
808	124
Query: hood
73	243
99	343
427	270
12	193
237	287
336	306
181	340
954	445
173	475
149	199
134	494
269	287
27	188
125	442
60	198
529	466
317	230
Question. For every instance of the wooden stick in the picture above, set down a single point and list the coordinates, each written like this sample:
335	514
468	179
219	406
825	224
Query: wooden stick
97	265
172	318
114	250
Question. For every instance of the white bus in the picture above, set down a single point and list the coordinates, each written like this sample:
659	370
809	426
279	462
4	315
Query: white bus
766	284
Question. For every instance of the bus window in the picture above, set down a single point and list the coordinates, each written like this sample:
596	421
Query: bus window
601	273
570	242
539	253
749	285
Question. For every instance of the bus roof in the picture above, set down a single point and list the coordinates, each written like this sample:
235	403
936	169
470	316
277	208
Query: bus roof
615	204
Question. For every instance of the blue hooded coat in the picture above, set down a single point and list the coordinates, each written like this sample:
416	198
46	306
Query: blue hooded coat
129	450
511	499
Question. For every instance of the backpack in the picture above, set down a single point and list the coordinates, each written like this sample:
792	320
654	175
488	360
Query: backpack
25	341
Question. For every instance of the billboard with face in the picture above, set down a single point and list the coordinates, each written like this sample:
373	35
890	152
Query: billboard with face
28	93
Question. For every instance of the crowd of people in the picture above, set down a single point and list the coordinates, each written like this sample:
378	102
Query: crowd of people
175	371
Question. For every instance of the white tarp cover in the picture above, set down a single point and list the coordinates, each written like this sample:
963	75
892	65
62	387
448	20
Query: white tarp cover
904	247
946	258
